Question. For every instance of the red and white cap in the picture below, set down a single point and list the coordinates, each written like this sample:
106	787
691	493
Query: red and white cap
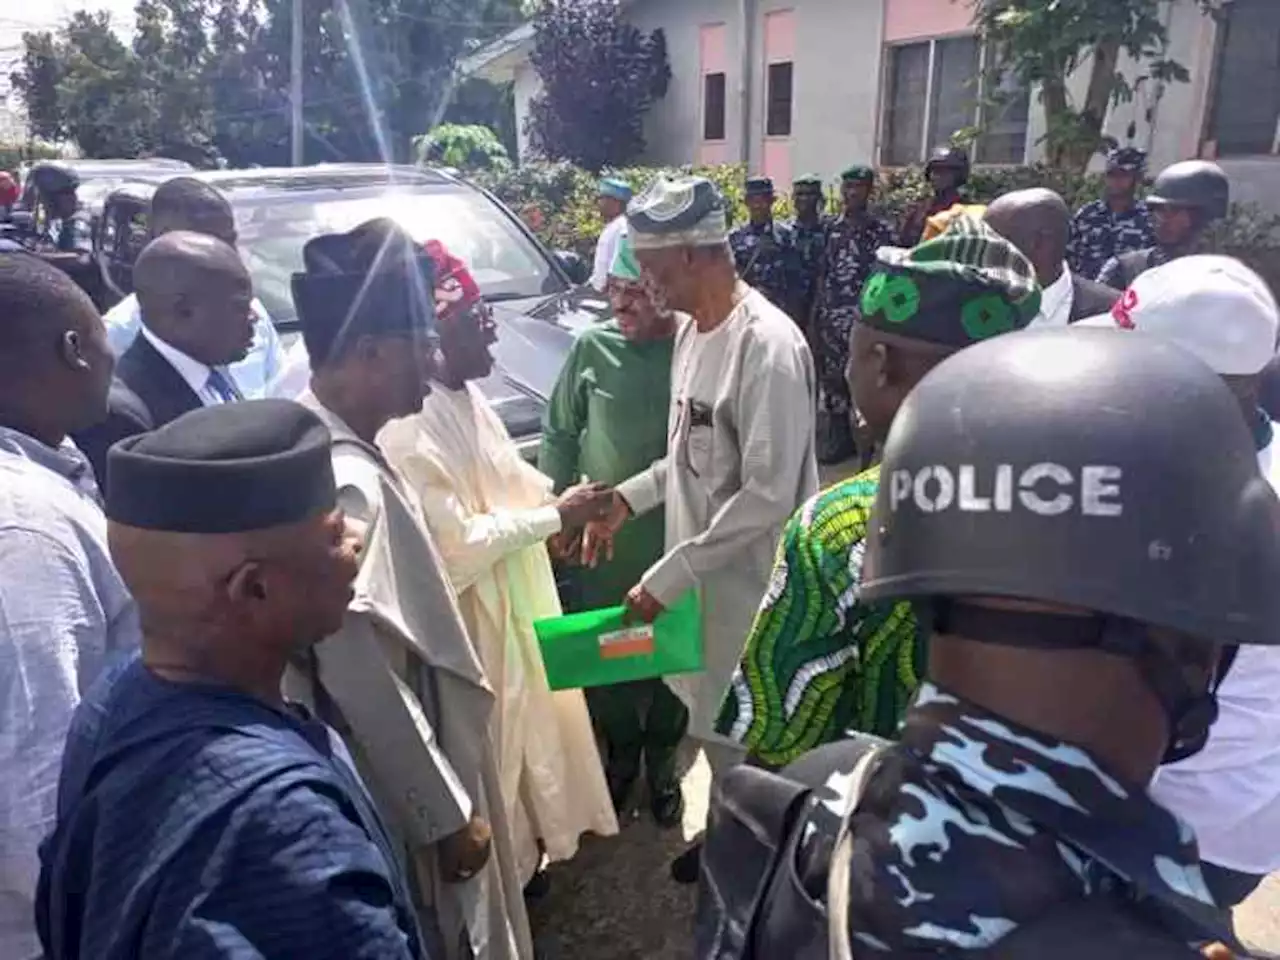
1213	307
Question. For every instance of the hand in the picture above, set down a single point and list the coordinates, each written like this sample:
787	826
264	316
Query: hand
566	546
597	539
584	503
464	854
642	606
1217	951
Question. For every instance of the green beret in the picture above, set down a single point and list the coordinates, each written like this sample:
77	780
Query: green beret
859	173
965	285
810	181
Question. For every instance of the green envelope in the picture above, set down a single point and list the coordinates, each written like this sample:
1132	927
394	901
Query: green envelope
599	647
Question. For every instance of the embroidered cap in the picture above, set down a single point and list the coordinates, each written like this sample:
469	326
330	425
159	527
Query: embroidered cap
685	212
615	188
966	285
1213	307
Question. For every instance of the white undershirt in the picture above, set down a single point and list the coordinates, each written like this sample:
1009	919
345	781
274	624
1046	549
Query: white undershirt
1230	791
1056	301
191	370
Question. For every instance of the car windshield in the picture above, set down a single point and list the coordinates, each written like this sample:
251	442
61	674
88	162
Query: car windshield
274	228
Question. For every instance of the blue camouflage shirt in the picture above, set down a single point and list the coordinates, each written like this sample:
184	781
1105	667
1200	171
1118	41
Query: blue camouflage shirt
971	826
767	258
811	239
1098	234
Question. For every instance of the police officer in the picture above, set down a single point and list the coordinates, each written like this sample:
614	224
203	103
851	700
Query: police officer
57	184
1185	199
765	250
947	171
1118	222
1079	569
810	230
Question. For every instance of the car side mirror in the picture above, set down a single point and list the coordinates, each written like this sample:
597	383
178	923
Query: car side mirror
573	266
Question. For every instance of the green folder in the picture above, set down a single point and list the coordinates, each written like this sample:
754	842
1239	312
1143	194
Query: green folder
599	647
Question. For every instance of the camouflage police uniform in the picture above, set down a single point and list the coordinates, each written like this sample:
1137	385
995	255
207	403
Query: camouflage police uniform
810	240
767	258
1099	234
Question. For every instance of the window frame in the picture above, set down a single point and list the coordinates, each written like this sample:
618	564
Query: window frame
768	99
930	105
724	106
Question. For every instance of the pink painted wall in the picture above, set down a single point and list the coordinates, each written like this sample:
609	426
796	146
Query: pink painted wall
777	162
915	19
713	152
713	48
779	36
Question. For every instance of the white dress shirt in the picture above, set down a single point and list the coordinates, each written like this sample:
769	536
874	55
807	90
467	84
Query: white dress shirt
1230	791
191	370
1056	301
607	250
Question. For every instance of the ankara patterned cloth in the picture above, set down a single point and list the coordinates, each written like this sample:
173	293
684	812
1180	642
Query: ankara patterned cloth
972	826
819	663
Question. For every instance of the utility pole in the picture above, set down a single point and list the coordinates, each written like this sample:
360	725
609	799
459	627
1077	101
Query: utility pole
295	85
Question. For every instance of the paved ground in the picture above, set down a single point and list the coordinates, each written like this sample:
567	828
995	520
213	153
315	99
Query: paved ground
616	900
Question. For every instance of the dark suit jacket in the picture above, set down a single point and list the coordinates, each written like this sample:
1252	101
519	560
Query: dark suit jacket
147	393
1090	298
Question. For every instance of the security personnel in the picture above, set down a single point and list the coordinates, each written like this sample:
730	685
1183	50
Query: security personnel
810	230
57	184
947	171
1079	578
1118	222
1185	199
765	250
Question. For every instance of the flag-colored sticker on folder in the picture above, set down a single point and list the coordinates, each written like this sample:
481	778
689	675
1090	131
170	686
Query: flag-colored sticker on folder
631	642
599	647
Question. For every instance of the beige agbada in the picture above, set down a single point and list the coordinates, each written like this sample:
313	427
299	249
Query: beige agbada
490	514
411	698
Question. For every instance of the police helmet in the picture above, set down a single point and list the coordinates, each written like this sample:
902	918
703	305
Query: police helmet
950	158
996	482
1127	159
53	178
1193	183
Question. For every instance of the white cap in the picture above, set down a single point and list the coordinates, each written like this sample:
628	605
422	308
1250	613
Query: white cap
1214	307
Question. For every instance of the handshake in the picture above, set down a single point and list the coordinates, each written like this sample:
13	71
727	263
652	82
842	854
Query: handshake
590	515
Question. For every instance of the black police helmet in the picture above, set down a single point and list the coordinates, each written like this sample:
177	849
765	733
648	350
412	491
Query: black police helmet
51	178
950	158
998	481
1193	183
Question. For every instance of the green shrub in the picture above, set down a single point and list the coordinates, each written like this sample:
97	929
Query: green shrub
466	146
558	199
15	155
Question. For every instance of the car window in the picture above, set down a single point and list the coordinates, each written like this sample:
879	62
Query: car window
273	230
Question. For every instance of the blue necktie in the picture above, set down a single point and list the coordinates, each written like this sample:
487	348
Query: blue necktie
223	386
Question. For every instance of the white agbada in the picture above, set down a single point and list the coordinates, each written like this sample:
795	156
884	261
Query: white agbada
739	462
490	515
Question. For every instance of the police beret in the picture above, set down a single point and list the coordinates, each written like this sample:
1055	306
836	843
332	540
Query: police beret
232	468
759	187
858	173
810	181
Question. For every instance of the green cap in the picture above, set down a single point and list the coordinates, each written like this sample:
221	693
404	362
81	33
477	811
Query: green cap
625	266
811	180
858	173
965	285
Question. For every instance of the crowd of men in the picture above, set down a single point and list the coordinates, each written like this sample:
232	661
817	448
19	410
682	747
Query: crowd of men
272	685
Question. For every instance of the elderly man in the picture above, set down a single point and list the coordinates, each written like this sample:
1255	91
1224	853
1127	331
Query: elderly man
606	421
195	297
188	204
401	678
490	513
1038	223
1222	312
199	813
819	662
740	458
64	611
612	197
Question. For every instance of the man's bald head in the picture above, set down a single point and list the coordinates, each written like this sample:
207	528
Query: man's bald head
185	203
1037	222
195	294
